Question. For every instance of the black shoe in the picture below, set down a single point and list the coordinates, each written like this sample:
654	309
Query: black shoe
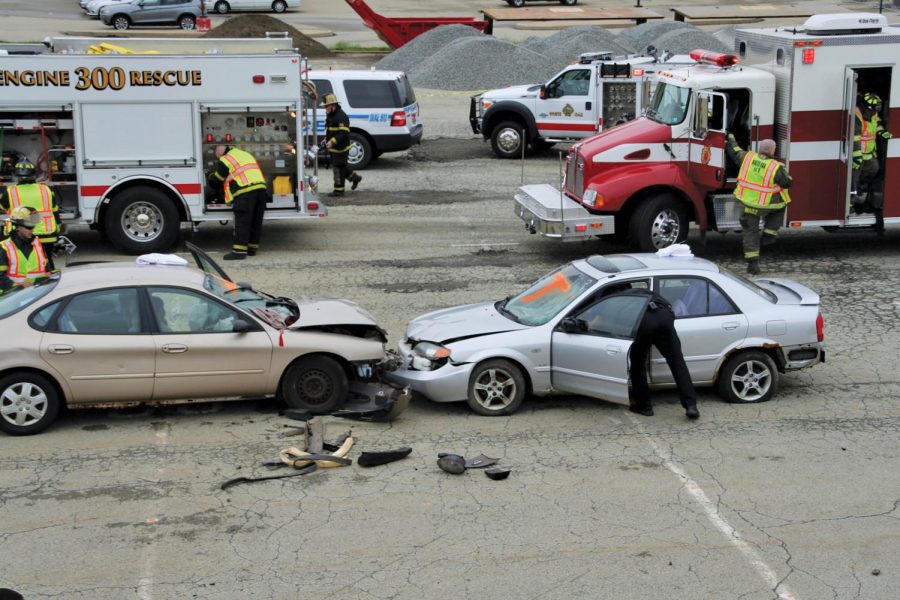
336	195
355	181
691	412
753	266
235	256
251	252
641	410
767	240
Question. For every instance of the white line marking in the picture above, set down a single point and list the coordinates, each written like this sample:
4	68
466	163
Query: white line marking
484	245
712	513
148	558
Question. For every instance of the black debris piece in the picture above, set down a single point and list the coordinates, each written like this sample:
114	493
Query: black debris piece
383	457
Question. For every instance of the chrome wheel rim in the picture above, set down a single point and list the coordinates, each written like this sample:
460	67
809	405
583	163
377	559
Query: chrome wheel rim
356	153
495	389
751	381
509	140
665	229
142	221
23	404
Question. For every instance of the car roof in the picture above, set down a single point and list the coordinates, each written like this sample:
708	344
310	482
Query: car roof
612	264
116	274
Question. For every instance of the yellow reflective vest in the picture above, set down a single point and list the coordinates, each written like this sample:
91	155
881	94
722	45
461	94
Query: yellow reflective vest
22	270
866	137
756	185
244	171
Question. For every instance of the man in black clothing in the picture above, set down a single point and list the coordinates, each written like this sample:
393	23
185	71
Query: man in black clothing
657	328
337	141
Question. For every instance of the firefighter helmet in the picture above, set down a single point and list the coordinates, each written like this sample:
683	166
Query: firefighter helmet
329	99
24	216
872	100
25	171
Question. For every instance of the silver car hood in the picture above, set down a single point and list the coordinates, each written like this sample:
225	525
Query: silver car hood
330	311
460	322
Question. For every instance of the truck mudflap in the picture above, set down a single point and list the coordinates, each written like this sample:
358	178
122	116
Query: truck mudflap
549	212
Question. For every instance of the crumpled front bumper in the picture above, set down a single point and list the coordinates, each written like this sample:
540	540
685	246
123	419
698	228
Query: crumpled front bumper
448	383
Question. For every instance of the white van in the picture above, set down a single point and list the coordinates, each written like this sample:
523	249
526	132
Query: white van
381	105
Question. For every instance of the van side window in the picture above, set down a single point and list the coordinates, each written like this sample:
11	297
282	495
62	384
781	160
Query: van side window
323	86
372	94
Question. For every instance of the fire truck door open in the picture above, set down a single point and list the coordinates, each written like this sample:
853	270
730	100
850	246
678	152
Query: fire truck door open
846	157
706	153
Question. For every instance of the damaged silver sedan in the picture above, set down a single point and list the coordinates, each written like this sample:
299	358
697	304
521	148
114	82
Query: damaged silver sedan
571	333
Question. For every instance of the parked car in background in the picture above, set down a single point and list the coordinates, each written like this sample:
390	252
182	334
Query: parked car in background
381	105
92	7
123	15
225	6
125	334
571	332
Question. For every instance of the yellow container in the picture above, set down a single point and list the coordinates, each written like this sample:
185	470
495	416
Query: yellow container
281	186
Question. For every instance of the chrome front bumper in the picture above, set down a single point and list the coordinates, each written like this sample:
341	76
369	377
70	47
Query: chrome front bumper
549	212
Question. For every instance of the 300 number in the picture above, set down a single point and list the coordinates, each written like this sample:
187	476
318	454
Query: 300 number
100	78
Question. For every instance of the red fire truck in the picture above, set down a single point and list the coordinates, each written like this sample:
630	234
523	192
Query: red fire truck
646	180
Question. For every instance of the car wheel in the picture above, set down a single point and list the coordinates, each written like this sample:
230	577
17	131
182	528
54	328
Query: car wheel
28	403
142	219
279	6
569	2
507	140
221	7
360	154
121	22
496	388
517	3
747	377
658	222
187	22
317	384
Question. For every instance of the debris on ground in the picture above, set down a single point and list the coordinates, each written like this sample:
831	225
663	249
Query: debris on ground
256	26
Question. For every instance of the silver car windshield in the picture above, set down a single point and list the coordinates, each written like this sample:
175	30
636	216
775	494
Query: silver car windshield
548	296
669	104
17	298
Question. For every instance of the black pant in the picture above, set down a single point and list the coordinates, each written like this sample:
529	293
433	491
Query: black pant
657	328
248	218
342	171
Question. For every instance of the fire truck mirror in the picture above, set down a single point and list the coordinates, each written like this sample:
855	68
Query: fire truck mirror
701	116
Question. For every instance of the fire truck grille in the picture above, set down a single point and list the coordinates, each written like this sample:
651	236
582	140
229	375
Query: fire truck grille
579	177
570	174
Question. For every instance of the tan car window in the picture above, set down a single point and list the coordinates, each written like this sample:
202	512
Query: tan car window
181	311
105	312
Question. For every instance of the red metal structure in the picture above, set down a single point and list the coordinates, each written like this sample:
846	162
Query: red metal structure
397	31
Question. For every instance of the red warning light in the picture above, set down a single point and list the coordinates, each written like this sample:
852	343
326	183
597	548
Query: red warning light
809	56
227	137
209	137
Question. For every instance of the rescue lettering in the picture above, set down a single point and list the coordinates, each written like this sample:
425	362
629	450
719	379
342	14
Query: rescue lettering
168	78
100	78
34	78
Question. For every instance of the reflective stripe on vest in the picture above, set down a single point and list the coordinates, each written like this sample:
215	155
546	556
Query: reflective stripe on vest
756	181
39	197
243	169
866	137
35	266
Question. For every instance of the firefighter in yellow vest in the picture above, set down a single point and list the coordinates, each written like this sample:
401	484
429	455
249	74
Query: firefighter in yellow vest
762	184
34	195
22	257
243	186
868	129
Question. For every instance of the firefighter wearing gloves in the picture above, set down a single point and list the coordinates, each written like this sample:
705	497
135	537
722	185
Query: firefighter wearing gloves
762	184
337	131
244	188
22	257
37	196
868	129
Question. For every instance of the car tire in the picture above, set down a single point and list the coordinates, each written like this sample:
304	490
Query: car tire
187	22
279	6
120	22
360	154
222	7
29	403
507	139
317	384
748	377
517	3
141	220
658	222
569	2
496	388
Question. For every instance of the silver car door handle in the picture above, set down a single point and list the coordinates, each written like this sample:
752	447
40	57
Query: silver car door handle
61	349
174	348
612	349
731	325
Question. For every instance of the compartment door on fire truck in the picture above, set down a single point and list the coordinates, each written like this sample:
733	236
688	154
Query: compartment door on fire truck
706	150
849	119
568	108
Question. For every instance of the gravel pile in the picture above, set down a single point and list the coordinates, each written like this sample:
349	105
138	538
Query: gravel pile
567	44
637	38
481	62
408	56
682	42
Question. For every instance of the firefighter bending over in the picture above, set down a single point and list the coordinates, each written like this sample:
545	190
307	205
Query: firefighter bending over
337	130
868	128
37	196
244	186
22	257
762	184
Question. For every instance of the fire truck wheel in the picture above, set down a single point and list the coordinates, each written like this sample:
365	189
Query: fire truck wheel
141	220
221	7
279	6
316	383
121	22
187	22
658	222
507	139
360	154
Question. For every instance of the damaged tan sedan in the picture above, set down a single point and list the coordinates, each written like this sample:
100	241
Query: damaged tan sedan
125	334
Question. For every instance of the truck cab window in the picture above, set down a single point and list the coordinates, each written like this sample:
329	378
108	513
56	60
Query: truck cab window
576	82
669	104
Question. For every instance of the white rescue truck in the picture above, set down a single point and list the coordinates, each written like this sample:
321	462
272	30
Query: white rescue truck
596	93
647	179
126	140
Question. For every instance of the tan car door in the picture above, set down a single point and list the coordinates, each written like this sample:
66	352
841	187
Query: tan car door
198	352
100	346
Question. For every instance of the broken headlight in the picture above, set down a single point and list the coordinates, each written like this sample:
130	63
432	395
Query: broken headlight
428	356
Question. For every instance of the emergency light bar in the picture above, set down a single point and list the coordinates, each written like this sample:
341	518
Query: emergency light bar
717	59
